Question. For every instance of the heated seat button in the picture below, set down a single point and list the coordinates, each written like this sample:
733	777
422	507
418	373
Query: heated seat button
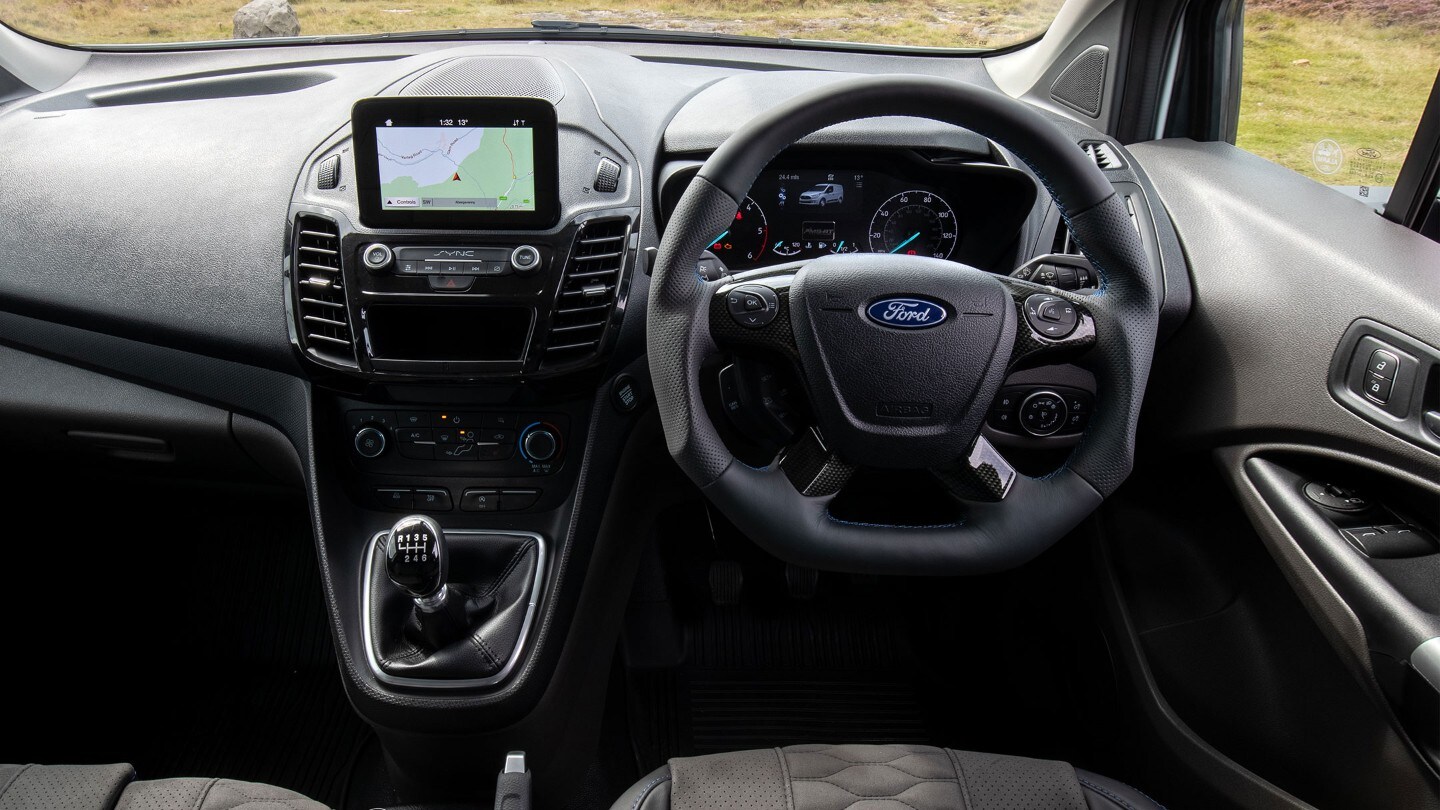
432	500
480	500
1383	364
1378	388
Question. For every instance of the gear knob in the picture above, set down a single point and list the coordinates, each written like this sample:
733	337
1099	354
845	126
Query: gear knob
416	559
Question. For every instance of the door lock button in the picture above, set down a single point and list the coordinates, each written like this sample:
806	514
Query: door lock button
1383	364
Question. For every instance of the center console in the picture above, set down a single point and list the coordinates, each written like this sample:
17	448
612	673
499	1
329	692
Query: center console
457	271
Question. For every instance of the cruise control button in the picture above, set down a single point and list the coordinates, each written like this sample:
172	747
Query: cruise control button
1383	363
1050	315
480	500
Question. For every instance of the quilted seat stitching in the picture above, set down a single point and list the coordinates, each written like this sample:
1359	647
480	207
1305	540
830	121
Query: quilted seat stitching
878	765
827	781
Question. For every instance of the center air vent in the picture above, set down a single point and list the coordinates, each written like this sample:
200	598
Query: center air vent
587	291
320	291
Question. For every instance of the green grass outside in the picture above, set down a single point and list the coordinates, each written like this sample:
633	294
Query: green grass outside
1364	87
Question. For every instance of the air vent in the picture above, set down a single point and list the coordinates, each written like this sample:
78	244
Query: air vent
587	291
320	291
1103	154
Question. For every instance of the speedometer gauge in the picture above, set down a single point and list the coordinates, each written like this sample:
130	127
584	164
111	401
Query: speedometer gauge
914	223
744	241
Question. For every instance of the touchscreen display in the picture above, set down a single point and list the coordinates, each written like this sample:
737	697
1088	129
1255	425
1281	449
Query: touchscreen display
457	166
445	162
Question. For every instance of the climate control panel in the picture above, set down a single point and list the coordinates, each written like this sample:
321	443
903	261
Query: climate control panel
461	443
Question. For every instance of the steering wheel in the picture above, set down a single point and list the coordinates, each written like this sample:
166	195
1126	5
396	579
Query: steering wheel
910	391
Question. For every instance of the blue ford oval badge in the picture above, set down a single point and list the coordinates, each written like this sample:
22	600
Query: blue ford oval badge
906	313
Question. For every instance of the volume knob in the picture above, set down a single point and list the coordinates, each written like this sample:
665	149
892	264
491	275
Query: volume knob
377	257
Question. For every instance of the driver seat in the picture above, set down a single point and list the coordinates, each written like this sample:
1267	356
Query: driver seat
876	777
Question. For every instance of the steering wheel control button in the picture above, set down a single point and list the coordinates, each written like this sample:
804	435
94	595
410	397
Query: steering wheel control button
370	442
1378	388
377	258
753	305
1043	413
480	500
1051	316
1383	364
1336	498
525	259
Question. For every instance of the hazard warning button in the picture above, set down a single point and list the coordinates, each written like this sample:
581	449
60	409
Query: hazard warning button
451	283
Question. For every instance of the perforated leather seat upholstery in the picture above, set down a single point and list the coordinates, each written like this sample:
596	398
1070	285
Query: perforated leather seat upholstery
876	777
113	787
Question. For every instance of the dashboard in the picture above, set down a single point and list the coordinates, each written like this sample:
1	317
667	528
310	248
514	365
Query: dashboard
814	202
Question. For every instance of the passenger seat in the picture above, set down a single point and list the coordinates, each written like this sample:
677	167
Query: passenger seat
113	787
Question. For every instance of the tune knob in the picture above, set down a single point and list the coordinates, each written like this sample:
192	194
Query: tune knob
377	257
370	441
525	259
540	443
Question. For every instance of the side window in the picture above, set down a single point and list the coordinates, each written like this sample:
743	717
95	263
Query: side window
1334	90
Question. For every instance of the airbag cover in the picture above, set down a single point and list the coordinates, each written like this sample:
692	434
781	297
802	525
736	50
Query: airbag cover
902	355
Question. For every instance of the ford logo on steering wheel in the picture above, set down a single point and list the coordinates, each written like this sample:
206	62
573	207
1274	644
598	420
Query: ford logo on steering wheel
906	313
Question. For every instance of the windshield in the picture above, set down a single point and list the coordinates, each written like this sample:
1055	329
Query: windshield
930	23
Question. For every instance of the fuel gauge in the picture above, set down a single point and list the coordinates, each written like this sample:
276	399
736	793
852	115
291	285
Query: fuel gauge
845	246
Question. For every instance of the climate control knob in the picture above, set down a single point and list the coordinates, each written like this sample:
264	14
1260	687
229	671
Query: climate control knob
370	441
540	443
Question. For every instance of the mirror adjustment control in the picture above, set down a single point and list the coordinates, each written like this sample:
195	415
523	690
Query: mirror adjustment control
377	257
1336	498
370	441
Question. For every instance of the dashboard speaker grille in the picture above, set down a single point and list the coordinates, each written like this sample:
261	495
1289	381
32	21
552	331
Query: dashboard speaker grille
588	290
1081	85
513	76
320	290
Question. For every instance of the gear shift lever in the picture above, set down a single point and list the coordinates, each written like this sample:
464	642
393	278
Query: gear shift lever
416	560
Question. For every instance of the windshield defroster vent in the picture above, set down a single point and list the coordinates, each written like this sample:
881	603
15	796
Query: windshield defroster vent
320	291
588	291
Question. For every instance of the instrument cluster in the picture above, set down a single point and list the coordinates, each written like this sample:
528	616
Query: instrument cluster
809	205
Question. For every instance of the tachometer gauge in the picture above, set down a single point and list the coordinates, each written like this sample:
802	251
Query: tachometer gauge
914	223
744	242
